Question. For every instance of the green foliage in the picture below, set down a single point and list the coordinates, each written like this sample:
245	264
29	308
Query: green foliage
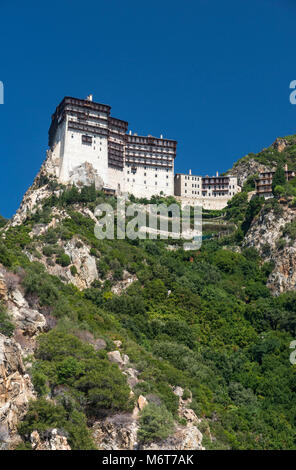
253	209
63	259
73	270
6	326
202	320
3	221
155	423
290	230
44	415
64	359
278	178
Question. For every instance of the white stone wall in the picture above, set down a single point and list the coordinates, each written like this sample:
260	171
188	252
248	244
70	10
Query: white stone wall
73	152
149	181
210	203
116	180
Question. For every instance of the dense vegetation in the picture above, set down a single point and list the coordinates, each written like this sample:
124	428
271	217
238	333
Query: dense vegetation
203	320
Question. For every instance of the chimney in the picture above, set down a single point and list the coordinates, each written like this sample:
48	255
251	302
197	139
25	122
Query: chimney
217	173
161	136
89	97
130	132
189	172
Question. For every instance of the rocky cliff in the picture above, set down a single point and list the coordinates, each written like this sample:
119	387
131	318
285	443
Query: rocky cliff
270	235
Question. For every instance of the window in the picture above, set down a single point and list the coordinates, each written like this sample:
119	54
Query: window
86	139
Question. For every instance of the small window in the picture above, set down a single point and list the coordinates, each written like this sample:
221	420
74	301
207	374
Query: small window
86	139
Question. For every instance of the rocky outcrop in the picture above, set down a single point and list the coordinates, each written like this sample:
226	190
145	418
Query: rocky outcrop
80	257
116	358
117	432
121	286
29	322
15	391
245	168
280	144
83	175
266	235
86	175
184	438
52	441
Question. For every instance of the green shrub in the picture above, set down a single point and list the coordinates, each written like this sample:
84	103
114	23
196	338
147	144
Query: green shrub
44	415
6	327
64	359
73	270
155	423
63	259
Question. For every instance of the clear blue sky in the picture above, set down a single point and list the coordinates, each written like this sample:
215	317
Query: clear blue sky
212	74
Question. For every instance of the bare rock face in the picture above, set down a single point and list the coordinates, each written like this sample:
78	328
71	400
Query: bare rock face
142	402
280	144
53	441
15	391
86	175
184	438
83	175
121	286
28	321
85	263
265	235
118	432
3	288
116	358
31	200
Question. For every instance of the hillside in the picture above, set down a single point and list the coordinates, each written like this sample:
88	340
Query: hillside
282	151
138	344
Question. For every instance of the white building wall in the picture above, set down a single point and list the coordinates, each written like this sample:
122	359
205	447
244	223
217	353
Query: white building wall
73	152
210	203
116	180
149	181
